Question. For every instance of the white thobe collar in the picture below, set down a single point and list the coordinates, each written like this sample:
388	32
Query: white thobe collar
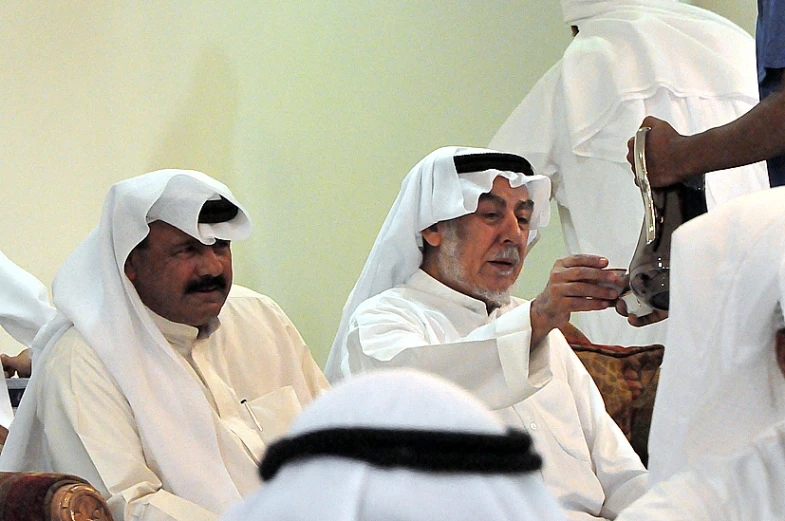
424	282
182	337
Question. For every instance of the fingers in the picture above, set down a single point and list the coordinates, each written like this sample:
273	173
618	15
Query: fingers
583	260
8	368
621	307
651	318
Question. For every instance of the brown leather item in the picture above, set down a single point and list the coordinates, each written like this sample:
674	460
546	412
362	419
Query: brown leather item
39	496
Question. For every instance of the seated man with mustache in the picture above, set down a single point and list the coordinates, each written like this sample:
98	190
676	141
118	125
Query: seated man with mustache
434	295
158	381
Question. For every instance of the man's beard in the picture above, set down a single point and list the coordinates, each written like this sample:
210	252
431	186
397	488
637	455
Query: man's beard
449	265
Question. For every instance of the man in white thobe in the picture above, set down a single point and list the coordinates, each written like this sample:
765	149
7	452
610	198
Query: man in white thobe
158	381
446	309
629	58
718	428
399	445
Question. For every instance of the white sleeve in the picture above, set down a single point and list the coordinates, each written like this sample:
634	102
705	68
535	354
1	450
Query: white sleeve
24	302
617	467
78	406
493	361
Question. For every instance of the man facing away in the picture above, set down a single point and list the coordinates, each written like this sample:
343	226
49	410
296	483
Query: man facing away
718	429
629	58
446	309
159	382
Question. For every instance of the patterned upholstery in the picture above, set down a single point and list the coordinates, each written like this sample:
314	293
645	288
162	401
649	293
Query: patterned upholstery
627	378
38	496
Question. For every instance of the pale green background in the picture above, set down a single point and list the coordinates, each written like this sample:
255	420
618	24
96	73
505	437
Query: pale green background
311	111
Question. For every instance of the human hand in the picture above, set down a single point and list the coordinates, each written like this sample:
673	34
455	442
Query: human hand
665	157
654	316
576	283
19	364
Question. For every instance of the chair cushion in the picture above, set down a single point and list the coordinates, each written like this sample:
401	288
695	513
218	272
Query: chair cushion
627	379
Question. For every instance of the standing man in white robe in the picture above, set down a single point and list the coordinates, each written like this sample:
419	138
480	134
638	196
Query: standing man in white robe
434	295
158	381
629	58
718	428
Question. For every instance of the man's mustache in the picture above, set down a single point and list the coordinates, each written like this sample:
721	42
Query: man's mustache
509	253
206	283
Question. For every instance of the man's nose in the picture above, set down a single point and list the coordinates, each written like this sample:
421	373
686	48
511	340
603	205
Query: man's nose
511	229
210	263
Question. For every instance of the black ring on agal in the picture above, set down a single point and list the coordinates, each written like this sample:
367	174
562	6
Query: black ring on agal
492	161
218	211
428	451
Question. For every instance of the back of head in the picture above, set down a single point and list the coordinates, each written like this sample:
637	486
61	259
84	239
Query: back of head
359	453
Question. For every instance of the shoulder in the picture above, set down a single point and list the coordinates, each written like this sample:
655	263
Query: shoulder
245	303
400	300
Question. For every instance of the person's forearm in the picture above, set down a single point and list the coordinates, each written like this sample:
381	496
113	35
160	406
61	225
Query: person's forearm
756	136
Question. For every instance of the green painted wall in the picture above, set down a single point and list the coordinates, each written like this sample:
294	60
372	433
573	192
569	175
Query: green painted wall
311	111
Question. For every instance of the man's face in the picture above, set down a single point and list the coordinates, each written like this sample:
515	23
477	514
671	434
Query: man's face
180	278
481	254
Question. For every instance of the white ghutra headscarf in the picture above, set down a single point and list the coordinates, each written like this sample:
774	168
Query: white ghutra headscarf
93	294
720	384
331	487
432	192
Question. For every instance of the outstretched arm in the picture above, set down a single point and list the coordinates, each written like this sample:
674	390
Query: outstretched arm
757	135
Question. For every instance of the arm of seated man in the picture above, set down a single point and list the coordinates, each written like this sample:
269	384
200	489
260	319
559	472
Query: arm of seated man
493	361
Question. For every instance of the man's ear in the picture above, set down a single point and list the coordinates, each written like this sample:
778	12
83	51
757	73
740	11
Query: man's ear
130	270
432	235
779	349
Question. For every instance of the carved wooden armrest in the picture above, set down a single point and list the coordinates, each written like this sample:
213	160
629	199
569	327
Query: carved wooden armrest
38	496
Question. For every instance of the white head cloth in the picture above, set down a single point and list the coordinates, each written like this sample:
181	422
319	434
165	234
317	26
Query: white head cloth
92	293
720	384
687	50
24	302
331	488
432	192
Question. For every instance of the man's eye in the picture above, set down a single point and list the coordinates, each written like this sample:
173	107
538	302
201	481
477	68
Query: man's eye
491	215
523	220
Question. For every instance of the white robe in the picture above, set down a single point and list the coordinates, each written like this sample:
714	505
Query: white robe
740	486
255	354
631	59
588	464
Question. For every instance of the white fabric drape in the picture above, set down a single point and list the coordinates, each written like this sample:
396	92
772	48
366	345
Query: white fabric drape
432	192
720	385
331	488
